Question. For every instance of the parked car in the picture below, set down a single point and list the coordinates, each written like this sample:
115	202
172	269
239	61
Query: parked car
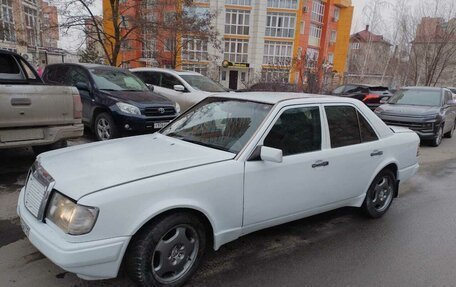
233	164
114	101
430	112
453	91
270	87
372	96
32	113
185	87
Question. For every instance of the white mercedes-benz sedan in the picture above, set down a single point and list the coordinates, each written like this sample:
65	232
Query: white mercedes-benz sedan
231	165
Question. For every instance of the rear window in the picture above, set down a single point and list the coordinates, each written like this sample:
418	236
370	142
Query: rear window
380	89
9	68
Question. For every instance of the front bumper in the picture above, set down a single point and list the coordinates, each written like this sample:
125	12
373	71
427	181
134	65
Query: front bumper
92	260
139	123
415	124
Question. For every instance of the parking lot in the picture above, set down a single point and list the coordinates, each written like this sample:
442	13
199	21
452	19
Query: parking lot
323	250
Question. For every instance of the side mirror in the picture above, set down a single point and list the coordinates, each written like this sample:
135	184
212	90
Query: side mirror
82	86
451	103
271	154
150	87
179	88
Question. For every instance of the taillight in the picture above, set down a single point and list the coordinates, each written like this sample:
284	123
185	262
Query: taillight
77	106
371	97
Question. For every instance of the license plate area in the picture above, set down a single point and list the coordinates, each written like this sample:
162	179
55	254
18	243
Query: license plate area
160	125
21	135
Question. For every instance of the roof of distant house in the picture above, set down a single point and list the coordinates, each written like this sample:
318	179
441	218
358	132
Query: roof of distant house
368	36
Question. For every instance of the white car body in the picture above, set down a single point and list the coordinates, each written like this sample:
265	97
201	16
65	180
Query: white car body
133	180
186	98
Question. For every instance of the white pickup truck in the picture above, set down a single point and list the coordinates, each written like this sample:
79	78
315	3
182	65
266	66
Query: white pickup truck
32	113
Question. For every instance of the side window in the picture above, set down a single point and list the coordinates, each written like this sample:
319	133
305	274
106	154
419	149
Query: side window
367	132
298	130
448	97
339	90
343	126
77	75
348	127
9	68
56	75
351	89
168	81
27	70
152	78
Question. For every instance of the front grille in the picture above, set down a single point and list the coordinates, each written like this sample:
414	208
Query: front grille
160	111
34	195
410	125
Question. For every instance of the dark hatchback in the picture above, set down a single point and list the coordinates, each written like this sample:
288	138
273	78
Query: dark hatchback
115	102
372	96
430	112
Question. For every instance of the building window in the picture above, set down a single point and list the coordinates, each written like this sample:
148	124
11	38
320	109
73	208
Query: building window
312	57
223	75
238	2
318	10
331	58
199	68
237	22
149	47
31	25
302	27
170	45
7	29
355	45
236	50
280	24
315	35
275	75
299	56
277	53
243	74
336	14
333	36
194	49
285	4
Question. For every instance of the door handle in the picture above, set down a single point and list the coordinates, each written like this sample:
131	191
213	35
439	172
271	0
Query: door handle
21	102
320	163
377	153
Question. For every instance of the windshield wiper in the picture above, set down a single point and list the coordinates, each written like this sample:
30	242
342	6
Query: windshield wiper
204	144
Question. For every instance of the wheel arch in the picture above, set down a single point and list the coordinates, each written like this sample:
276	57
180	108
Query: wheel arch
95	112
393	166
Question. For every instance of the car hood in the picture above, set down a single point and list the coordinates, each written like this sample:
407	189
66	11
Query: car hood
409	110
139	98
84	169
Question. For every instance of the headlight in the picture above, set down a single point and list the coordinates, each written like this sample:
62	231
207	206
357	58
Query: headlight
127	108
71	217
178	108
378	110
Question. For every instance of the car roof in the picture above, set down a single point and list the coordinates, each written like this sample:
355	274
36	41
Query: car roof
88	66
276	97
174	72
423	88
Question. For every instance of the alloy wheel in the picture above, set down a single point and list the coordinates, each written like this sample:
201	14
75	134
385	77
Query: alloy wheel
103	129
383	194
175	254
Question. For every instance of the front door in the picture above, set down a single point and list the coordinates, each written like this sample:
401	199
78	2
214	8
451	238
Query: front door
274	191
233	80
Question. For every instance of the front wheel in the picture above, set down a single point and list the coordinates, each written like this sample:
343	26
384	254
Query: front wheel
105	127
380	194
438	137
167	252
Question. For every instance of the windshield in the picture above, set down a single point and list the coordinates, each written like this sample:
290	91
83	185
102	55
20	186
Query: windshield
417	97
117	80
225	124
203	83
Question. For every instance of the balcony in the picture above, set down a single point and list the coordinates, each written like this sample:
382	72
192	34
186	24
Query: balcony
343	3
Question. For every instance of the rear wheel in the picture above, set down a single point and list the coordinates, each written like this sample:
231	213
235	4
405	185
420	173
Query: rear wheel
380	194
168	252
105	128
438	137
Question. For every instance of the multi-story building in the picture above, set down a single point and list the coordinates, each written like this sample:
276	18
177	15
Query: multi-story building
261	40
30	28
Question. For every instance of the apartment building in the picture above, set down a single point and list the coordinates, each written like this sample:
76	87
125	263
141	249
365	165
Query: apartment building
262	40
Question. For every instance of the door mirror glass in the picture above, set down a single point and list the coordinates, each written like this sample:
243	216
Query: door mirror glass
150	87
82	86
179	88
271	154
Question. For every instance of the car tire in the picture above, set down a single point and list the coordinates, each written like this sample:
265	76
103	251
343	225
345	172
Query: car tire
181	236
438	138
451	132
380	194
104	127
44	148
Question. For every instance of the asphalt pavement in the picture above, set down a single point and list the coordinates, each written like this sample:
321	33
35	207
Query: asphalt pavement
414	244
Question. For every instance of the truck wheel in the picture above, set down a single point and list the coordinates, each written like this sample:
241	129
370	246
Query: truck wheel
380	194
44	148
438	137
167	252
105	128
